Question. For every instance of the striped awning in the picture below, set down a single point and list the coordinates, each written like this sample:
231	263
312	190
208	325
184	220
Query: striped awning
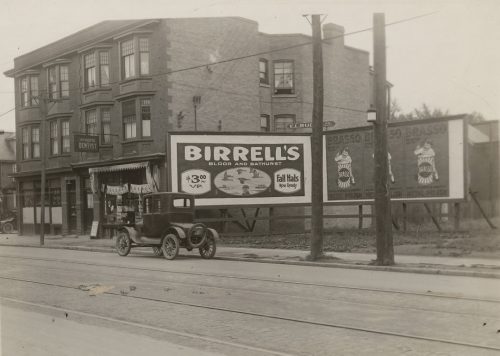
119	167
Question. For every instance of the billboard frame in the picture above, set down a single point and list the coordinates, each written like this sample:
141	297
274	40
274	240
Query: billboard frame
306	198
464	127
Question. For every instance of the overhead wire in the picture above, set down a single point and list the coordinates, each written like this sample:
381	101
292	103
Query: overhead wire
257	54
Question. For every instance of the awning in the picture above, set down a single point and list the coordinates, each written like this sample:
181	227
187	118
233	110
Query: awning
119	167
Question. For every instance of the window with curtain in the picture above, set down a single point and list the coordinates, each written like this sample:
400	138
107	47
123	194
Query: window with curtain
26	142
146	117
35	142
129	119
106	126
144	55
65	136
90	71
128	59
91	122
54	138
283	77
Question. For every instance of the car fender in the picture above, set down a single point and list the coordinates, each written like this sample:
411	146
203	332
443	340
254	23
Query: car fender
214	233
132	233
177	230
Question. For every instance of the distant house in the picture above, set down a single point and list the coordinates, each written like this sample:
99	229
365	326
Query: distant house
7	167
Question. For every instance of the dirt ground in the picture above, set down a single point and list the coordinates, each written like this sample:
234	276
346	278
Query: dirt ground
474	239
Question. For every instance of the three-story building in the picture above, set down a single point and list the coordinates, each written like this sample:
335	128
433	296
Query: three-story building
131	82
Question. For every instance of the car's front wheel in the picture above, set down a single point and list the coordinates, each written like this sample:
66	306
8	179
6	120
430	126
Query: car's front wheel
123	243
7	228
208	250
170	246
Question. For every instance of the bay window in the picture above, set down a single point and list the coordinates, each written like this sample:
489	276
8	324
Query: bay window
58	80
29	90
96	69
135	57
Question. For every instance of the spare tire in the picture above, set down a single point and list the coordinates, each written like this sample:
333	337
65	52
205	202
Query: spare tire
197	235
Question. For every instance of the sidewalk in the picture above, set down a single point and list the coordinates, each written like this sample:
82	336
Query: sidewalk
459	266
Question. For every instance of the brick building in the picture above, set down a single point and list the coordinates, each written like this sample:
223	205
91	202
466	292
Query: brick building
131	82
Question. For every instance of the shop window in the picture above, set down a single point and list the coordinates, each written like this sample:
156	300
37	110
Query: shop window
282	123
27	197
55	196
263	71
283	77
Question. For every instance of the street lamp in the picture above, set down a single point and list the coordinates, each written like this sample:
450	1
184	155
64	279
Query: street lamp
196	103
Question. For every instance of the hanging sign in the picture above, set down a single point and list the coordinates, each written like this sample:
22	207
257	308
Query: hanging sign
86	143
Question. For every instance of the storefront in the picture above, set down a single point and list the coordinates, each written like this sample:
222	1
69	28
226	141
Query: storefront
114	192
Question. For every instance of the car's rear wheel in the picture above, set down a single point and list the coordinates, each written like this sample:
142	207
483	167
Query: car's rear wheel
157	251
123	243
208	250
197	235
170	246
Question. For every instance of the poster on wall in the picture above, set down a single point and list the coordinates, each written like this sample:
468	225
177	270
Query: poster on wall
425	161
241	169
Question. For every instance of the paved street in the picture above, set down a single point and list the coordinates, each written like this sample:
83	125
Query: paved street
62	302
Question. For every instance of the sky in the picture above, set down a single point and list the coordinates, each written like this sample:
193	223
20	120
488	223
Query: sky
449	60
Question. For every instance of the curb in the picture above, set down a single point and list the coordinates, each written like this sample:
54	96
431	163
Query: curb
359	266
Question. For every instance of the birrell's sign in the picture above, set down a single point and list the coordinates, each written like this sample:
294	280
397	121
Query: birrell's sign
241	169
86	143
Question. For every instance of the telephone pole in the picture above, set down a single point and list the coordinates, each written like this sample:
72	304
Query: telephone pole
43	112
383	216
317	143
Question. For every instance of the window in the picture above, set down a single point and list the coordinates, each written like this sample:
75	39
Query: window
263	71
29	90
128	62
96	69
35	142
135	57
90	126
106	126
58	78
282	123
65	136
54	138
146	117
283	77
104	68
264	123
26	142
90	79
129	119
144	55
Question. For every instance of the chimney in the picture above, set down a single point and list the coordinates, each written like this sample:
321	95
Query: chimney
333	34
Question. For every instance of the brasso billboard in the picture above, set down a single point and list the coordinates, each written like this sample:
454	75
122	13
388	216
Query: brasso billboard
241	169
426	162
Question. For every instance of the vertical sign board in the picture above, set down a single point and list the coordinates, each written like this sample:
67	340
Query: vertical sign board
241	169
426	162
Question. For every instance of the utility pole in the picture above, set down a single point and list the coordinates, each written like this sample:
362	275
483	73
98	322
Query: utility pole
317	143
43	112
383	216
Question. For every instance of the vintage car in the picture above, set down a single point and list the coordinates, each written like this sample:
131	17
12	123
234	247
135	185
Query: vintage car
167	224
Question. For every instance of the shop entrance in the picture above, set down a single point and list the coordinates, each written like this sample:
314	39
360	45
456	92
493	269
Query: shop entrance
71	200
88	205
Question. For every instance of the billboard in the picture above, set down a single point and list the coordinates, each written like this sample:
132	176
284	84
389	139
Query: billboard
241	169
426	162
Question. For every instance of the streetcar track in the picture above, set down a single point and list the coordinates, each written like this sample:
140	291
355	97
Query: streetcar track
390	291
385	306
149	327
267	316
